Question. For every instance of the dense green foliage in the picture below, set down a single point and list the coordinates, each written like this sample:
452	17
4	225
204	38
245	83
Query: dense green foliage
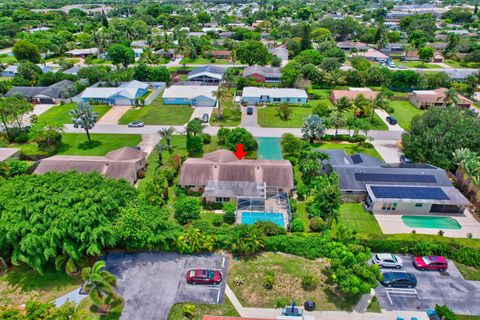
231	137
187	209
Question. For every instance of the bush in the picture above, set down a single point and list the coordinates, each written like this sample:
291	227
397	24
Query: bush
282	303
186	209
206	138
302	191
168	172
16	167
297	225
188	310
229	210
293	160
445	313
269	228
194	144
317	224
293	205
217	220
309	282
268	280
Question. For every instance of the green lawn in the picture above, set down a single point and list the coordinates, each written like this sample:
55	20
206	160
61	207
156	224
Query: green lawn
377	123
415	64
158	113
469	273
87	307
320	95
288	272
374	306
231	113
404	112
224	309
21	284
8	59
268	117
61	113
458	64
99	61
77	143
464	317
353	216
350	148
203	61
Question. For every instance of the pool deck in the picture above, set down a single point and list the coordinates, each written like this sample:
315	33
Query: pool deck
392	223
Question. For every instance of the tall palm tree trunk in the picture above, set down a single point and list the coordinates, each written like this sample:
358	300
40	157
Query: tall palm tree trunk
88	136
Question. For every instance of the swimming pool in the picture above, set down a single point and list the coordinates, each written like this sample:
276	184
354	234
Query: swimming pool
252	217
431	222
269	149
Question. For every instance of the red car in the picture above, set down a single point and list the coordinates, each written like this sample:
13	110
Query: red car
204	276
430	263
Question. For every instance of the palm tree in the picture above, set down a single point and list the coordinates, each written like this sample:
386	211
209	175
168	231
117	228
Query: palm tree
220	94
186	54
167	133
99	283
337	120
450	97
313	128
343	105
334	78
159	150
379	102
84	117
194	127
359	105
233	55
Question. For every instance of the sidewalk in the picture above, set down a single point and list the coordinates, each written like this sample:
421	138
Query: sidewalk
72	296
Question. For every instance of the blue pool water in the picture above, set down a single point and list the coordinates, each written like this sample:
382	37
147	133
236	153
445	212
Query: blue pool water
252	217
269	149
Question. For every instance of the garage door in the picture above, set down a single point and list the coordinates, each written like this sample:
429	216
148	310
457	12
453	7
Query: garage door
122	102
45	101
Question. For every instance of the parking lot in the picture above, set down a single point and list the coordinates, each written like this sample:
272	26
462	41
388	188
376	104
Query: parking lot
151	282
434	287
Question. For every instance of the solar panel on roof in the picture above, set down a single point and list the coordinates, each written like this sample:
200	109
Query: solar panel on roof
391	192
360	176
356	158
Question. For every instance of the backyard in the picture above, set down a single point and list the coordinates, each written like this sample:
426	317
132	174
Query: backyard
77	143
352	215
288	272
404	112
158	113
61	113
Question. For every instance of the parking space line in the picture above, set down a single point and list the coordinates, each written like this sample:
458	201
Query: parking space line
223	262
218	296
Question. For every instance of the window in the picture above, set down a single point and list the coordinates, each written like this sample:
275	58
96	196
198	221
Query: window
299	100
389	206
418	205
276	99
222	199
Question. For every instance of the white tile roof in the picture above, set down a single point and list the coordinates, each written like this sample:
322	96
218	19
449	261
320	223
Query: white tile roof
189	92
274	92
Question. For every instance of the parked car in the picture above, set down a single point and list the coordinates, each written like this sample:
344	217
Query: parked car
430	263
387	260
402	67
391	120
399	280
205	118
204	276
136	124
405	159
249	111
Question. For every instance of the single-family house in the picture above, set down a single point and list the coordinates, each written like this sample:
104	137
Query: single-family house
256	95
394	188
125	94
280	52
124	163
393	48
220	54
193	95
139	44
438	58
73	70
82	53
263	74
459	74
12	70
138	52
207	74
38	29
424	99
9	154
352	45
52	94
373	55
352	93
170	53
226	34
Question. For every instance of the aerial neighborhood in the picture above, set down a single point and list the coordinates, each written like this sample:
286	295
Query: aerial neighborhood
178	160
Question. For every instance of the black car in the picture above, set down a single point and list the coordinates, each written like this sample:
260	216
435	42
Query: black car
399	280
391	120
249	111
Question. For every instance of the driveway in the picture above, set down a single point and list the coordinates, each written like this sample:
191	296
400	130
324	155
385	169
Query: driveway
383	115
249	120
152	282
388	149
435	287
198	112
113	115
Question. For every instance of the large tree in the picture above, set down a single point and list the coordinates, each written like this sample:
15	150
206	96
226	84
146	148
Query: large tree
26	51
436	134
120	54
313	128
84	117
252	52
12	110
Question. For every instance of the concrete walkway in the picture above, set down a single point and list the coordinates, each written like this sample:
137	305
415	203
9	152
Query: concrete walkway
266	313
113	115
364	301
72	296
148	143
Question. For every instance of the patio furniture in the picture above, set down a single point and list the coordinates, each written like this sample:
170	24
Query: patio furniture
292	311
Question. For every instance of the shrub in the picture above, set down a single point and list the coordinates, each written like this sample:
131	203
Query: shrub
269	228
282	303
188	310
445	313
194	144
302	191
217	220
293	205
317	224
309	282
268	280
168	172
186	209
207	138
16	167
297	225
293	160
239	281
229	210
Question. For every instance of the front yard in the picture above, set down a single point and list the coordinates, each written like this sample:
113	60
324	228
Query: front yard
288	273
203	61
77	143
350	148
404	112
268	117
159	113
458	64
61	113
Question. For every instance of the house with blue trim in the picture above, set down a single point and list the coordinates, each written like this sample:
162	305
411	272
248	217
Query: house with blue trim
195	96
123	95
256	95
207	74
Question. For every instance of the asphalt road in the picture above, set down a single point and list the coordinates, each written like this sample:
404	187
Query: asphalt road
151	282
434	287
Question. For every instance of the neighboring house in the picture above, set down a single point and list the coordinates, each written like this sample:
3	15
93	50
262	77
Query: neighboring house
372	55
459	74
281	52
226	34
124	163
9	154
125	94
73	70
207	74
193	95
438	58
139	44
411	55
476	96
458	32
352	93
82	53
170	53
138	52
394	188
393	48
12	70
424	99
220	54
38	29
255	95
263	74
352	45
45	95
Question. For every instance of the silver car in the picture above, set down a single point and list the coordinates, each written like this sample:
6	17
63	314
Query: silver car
387	260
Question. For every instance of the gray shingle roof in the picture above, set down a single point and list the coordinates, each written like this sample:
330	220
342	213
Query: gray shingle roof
269	72
60	90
